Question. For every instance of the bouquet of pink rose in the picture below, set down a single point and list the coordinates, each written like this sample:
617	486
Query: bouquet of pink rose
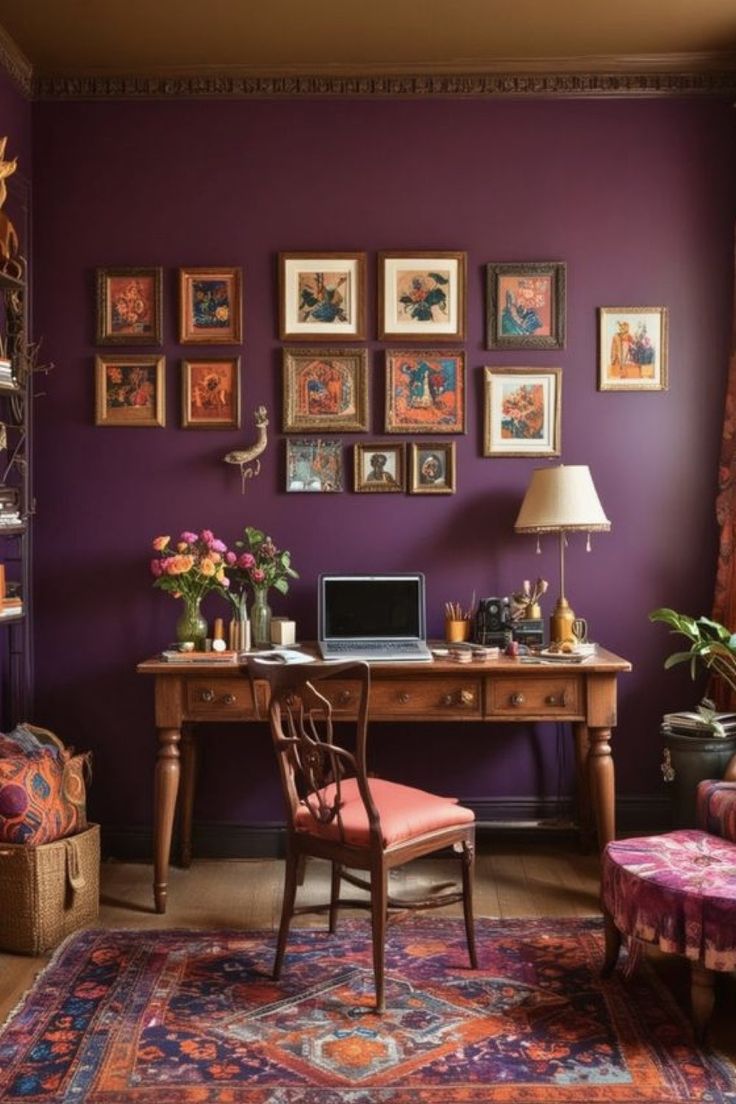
192	567
258	564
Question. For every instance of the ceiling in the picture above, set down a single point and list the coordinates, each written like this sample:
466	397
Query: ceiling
290	37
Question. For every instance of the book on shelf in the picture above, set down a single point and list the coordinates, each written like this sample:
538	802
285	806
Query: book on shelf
11	609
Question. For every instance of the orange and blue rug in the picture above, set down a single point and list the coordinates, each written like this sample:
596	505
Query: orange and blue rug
193	1017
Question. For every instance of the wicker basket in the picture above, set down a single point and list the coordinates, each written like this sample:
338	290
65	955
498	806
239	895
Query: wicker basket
48	891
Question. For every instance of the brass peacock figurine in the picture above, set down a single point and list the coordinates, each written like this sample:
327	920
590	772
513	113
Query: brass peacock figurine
245	457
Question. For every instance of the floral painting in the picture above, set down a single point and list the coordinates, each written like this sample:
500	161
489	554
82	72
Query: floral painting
633	349
522	412
314	464
129	391
425	391
325	390
211	393
129	306
210	308
526	305
432	467
422	295
379	467
322	296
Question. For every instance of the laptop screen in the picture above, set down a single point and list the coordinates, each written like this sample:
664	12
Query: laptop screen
354	607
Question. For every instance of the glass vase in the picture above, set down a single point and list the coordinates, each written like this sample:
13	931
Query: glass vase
191	626
260	618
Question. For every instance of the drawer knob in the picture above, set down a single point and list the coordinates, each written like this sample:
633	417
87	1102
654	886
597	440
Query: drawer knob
229	699
467	697
404	697
517	698
208	695
557	699
447	699
344	697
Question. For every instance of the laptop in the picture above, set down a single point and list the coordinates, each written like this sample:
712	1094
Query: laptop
379	618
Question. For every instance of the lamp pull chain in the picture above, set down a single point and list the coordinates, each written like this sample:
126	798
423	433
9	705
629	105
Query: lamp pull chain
539	547
588	545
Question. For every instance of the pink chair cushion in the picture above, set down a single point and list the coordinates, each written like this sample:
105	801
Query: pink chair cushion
716	804
405	813
677	890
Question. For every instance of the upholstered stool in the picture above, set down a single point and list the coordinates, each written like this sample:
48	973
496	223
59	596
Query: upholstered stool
678	892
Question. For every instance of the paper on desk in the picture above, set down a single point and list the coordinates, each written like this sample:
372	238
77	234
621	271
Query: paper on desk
282	655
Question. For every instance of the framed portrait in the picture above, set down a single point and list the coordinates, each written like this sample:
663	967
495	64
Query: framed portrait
325	390
129	306
632	349
525	306
129	391
421	296
425	391
432	467
314	464
210	393
522	411
322	295
379	467
210	306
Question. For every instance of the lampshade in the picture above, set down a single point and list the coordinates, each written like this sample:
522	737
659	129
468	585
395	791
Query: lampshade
559	499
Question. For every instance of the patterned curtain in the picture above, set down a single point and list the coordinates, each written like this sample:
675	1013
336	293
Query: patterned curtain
724	599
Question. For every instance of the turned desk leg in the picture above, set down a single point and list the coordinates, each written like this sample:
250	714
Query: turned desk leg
189	755
166	785
602	784
582	783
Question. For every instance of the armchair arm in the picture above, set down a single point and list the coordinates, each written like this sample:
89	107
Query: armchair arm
716	805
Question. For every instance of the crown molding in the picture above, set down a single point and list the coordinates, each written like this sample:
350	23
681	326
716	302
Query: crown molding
655	82
15	63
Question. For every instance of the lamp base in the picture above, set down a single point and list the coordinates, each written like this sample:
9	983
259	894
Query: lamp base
561	622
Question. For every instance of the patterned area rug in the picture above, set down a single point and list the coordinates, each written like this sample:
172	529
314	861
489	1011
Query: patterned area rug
192	1017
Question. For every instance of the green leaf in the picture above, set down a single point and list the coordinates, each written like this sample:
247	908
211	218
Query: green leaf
677	657
255	536
281	585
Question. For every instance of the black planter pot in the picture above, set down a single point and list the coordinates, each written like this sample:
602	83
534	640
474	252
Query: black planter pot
687	761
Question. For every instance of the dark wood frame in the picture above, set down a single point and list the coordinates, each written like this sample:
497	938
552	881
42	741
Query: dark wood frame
448	449
328	330
105	336
293	422
361	485
557	271
429	335
103	416
188	421
187	334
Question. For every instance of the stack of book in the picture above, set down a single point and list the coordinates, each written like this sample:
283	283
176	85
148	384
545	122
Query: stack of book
701	724
6	373
173	655
12	606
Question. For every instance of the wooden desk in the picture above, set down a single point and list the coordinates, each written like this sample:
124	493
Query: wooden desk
496	690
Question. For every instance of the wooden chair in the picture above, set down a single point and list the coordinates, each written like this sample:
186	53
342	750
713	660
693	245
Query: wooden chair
335	811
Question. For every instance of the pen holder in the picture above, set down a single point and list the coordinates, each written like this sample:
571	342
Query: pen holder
456	631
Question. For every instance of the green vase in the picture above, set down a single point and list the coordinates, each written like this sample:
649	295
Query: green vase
260	618
191	626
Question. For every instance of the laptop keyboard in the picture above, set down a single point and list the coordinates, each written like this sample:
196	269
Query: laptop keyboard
374	647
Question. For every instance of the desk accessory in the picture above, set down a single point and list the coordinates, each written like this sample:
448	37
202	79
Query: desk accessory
560	500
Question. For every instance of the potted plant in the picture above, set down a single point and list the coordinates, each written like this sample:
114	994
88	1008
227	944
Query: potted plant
688	759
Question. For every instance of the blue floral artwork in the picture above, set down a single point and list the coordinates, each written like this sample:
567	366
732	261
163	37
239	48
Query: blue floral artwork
211	307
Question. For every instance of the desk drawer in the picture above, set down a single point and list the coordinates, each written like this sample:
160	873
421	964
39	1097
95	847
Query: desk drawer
219	699
426	698
545	696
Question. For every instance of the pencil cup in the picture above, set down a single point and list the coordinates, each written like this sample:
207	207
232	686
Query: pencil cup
456	630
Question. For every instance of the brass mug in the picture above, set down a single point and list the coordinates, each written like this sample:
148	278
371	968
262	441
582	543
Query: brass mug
580	630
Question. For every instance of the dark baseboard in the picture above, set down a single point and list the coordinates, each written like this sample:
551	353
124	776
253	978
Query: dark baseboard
507	818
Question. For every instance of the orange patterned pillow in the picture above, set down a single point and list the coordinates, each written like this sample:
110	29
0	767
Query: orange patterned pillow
42	788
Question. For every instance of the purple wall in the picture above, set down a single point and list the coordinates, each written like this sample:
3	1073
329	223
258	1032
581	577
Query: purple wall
625	192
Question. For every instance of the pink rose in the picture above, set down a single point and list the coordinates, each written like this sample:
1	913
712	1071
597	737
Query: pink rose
246	561
156	568
257	575
218	546
190	538
207	536
230	558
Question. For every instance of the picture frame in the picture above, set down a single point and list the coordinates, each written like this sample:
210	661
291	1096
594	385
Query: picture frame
322	295
432	467
314	465
325	390
129	306
379	467
425	391
522	409
525	305
210	393
632	349
210	305
421	295
130	391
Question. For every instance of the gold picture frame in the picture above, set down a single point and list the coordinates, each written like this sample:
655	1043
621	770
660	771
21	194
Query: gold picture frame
379	467
325	390
322	296
129	306
522	411
632	349
421	296
210	305
210	393
432	467
130	391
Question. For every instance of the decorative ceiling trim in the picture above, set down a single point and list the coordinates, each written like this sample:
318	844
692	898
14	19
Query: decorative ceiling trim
15	63
469	85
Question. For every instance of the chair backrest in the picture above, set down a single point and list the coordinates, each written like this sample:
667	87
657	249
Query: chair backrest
312	765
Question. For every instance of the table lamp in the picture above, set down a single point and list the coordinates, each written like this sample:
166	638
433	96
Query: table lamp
562	500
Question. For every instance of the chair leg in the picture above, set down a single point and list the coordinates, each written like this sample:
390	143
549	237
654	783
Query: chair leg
379	911
334	895
468	868
612	946
291	875
702	997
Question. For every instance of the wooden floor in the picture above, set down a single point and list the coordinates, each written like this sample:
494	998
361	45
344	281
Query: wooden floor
512	880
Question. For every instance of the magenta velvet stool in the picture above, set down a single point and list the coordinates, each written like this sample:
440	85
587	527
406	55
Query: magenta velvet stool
678	892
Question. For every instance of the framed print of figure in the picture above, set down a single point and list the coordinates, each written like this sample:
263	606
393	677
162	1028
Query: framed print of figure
314	464
525	306
129	391
522	411
425	391
210	306
379	467
210	393
432	467
421	296
129	306
325	390
322	295
632	349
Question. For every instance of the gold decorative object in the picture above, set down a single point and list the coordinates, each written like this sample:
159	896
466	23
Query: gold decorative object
245	457
8	237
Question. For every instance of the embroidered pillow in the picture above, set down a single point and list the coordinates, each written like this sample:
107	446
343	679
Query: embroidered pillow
42	787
